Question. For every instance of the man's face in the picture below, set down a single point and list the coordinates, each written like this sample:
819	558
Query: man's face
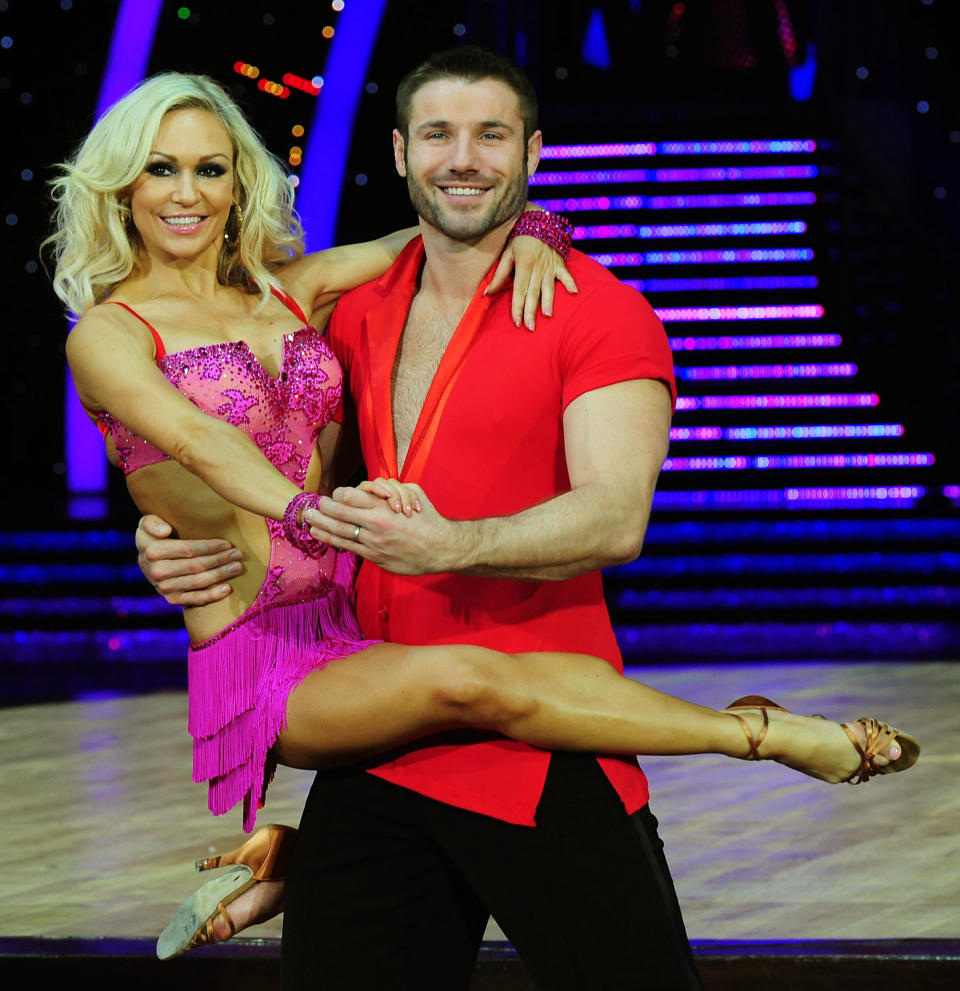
465	159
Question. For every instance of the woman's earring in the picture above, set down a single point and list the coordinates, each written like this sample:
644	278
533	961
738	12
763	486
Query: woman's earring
126	214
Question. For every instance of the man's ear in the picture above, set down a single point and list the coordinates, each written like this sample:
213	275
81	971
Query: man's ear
533	151
399	145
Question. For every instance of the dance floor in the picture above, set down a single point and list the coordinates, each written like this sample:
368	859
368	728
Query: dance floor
103	823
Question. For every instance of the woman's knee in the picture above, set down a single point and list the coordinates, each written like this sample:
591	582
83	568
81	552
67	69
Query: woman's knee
480	687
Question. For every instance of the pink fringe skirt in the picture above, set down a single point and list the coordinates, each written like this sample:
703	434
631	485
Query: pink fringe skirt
239	683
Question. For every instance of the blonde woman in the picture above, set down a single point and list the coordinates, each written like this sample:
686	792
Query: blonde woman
200	355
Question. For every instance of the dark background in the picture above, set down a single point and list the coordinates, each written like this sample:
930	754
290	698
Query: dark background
701	70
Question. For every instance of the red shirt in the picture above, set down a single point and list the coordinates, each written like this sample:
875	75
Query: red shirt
489	442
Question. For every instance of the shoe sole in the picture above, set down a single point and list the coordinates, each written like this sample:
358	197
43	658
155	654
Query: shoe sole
199	907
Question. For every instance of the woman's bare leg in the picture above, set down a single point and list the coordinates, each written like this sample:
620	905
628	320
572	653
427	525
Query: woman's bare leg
390	694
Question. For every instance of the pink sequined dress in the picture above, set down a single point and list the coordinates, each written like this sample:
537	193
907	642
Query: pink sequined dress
303	615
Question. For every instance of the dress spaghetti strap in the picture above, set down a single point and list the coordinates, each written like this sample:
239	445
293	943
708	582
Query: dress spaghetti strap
158	343
291	304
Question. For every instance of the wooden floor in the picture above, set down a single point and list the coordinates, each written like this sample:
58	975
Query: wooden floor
101	823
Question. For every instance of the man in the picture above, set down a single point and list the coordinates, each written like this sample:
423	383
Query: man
534	457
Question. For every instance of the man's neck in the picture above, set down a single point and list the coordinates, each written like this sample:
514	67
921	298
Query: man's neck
453	270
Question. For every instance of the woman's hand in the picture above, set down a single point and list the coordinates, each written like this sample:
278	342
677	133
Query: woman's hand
536	269
399	497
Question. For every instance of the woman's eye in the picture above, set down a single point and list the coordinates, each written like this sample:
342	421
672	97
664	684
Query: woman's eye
211	171
160	169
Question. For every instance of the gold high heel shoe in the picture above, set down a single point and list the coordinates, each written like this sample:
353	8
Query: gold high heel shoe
264	857
878	735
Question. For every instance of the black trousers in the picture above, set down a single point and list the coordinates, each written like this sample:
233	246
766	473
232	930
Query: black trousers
391	890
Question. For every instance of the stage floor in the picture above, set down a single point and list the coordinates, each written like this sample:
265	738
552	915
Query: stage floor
101	823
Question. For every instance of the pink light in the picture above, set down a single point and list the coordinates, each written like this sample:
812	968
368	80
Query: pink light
864	497
817	400
794	461
645	149
814	432
700	313
760	229
716	372
755	342
717	200
696	433
723	256
674	175
722	284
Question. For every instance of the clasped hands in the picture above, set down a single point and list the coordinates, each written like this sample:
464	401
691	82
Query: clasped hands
400	529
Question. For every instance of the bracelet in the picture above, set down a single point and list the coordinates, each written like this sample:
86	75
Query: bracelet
297	532
552	228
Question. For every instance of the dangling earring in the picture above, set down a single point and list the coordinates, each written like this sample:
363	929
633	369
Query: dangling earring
126	214
236	215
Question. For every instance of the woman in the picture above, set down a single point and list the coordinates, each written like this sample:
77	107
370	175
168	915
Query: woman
177	247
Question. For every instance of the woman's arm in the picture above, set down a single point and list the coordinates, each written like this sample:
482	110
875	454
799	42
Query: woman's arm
318	280
113	367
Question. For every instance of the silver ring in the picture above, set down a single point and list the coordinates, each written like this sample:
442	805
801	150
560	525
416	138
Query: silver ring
356	534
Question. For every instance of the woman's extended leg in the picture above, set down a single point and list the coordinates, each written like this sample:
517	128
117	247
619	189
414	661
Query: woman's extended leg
389	694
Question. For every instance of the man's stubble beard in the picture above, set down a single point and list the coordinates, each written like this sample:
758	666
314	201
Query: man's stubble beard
510	204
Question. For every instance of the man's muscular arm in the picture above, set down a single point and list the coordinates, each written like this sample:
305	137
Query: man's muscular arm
616	439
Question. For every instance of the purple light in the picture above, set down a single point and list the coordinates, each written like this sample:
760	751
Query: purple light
764	282
737	174
815	401
130	45
759	229
599	151
863	497
698	313
583	178
825	431
793	461
780	147
952	491
572	204
726	256
344	75
586	177
730	200
696	433
785	146
755	342
714	372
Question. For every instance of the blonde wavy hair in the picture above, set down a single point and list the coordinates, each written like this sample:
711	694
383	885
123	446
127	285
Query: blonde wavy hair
94	245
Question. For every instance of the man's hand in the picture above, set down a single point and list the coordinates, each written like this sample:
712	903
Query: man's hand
185	572
422	543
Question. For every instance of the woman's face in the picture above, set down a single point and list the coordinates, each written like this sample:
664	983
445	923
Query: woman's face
181	201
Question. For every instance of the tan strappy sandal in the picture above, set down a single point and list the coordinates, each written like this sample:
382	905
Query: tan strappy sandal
878	735
264	857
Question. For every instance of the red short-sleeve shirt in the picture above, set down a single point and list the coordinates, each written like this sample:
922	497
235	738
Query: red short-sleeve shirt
490	443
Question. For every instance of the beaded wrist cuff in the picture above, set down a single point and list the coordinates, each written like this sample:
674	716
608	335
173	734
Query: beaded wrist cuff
298	533
552	228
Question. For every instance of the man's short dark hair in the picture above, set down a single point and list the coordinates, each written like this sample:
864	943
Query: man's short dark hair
471	64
